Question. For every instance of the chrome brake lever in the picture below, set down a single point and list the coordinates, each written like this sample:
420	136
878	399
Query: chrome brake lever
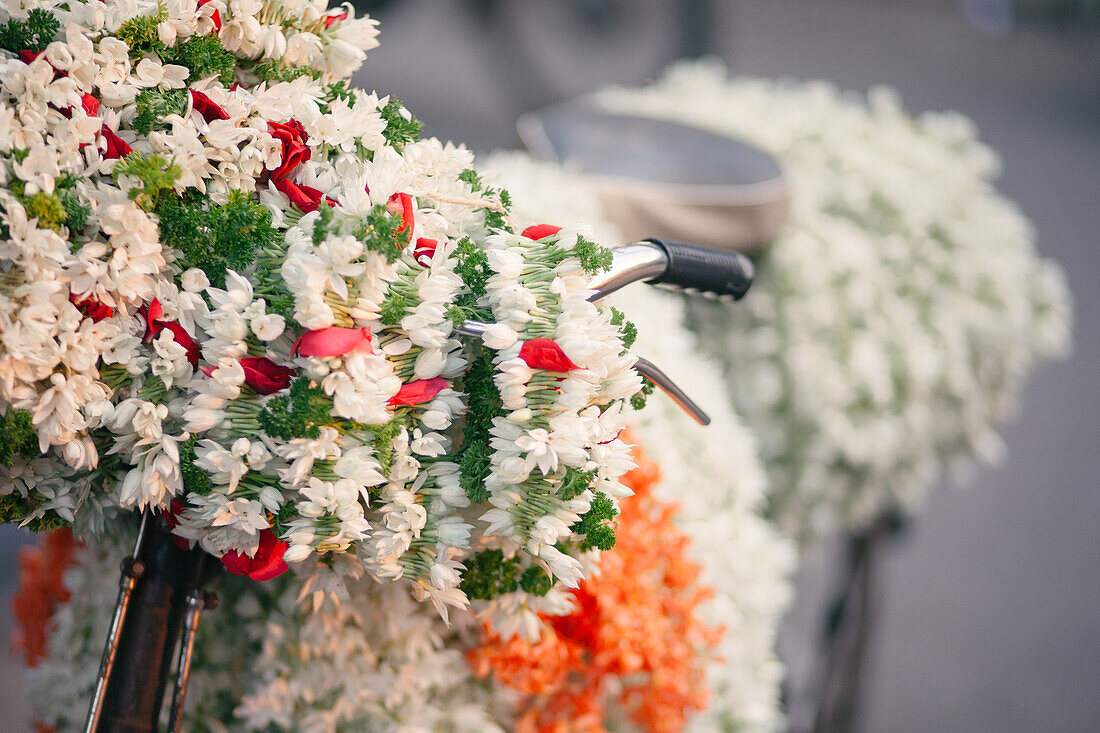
631	263
645	367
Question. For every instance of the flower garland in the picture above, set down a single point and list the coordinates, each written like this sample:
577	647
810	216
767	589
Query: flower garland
229	288
633	641
713	473
893	322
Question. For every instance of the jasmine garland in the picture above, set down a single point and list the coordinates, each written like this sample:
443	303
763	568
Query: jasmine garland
229	287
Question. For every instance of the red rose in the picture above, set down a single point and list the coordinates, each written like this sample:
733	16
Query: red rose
154	325
116	146
92	307
264	375
402	203
216	17
332	341
206	107
425	251
266	564
540	231
544	353
90	105
306	198
330	19
295	151
30	56
419	391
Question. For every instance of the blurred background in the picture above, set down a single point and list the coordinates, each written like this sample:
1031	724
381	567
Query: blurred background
991	599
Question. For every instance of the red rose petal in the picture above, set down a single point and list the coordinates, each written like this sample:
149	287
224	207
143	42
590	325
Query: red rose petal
266	564
295	151
544	353
92	307
540	231
332	341
402	202
90	105
215	17
330	19
154	325
152	314
184	339
306	198
236	563
425	251
418	391
265	376
116	146
206	107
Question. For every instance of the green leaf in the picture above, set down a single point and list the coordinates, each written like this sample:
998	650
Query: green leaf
401	127
32	34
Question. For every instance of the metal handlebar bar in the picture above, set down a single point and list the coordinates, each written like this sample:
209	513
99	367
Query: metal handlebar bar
720	274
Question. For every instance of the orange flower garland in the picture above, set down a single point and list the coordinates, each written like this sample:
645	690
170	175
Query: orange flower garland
635	636
40	592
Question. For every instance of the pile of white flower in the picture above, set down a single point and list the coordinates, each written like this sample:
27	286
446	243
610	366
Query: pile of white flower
893	322
229	292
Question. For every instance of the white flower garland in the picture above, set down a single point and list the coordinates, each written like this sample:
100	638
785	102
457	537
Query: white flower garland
713	472
230	286
891	325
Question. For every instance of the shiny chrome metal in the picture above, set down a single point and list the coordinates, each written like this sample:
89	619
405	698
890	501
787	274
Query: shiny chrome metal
650	371
110	649
472	328
194	605
630	263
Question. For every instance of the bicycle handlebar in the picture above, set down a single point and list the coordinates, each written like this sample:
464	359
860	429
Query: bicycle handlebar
718	273
714	271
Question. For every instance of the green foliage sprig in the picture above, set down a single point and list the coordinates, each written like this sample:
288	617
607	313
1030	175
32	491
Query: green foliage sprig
297	413
156	175
216	237
154	104
401	127
594	525
32	34
204	56
484	404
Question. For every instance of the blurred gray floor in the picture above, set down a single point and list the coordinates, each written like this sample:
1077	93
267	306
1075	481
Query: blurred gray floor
991	617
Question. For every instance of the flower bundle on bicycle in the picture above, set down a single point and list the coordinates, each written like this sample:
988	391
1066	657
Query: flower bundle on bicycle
229	289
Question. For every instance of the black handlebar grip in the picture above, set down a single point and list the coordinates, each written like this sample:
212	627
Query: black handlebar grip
707	270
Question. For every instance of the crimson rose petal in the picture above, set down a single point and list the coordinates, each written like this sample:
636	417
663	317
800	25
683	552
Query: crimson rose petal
181	337
540	231
330	19
265	376
332	341
206	107
425	251
544	353
215	17
92	307
116	146
418	391
268	562
90	105
403	203
295	151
